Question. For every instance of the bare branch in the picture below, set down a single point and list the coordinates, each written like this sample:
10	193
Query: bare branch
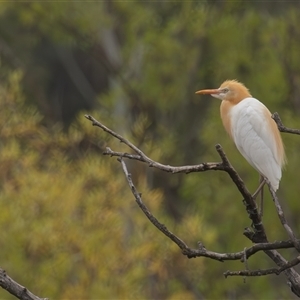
275	271
256	234
281	127
112	153
144	158
201	251
259	235
120	138
225	165
251	273
283	220
143	207
166	168
16	289
267	246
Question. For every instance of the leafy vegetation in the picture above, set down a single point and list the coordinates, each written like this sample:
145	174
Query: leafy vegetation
69	225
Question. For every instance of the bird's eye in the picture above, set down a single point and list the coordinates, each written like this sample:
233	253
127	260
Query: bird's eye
226	90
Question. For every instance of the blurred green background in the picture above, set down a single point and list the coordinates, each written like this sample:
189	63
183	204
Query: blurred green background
70	228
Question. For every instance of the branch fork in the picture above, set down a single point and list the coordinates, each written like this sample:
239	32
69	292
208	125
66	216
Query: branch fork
257	233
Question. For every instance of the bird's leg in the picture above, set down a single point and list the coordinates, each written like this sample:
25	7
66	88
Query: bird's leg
260	190
262	182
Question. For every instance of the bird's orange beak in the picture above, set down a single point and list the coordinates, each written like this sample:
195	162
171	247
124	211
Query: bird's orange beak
209	92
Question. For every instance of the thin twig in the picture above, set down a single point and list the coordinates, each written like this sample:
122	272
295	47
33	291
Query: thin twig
245	259
225	165
283	220
146	211
201	251
275	271
259	234
281	127
167	168
143	157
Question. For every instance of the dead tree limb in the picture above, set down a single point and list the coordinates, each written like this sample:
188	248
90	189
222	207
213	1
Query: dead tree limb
275	271
15	288
256	233
201	251
281	127
284	221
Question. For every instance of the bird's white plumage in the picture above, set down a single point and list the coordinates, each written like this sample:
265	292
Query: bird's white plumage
249	123
252	134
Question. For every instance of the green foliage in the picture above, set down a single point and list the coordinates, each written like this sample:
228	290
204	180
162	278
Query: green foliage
69	225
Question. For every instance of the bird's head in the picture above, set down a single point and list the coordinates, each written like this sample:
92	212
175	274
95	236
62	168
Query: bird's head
230	90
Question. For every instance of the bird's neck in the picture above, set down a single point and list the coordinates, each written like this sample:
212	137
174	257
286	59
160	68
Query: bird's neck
225	109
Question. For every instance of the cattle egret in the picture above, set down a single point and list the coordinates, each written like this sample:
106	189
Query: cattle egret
255	134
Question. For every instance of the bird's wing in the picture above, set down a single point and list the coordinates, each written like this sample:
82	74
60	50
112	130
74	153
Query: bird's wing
253	134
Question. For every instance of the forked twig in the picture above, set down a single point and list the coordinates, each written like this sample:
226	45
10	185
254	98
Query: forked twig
283	220
201	251
146	211
258	236
281	127
275	271
225	165
141	156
